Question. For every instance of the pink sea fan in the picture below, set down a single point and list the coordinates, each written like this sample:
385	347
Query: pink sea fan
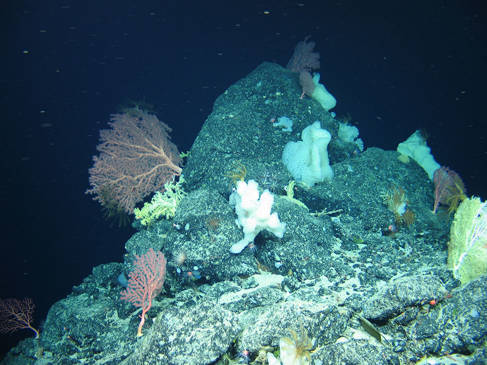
136	159
303	58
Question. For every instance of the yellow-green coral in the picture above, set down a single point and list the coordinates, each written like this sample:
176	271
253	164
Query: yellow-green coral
162	204
290	194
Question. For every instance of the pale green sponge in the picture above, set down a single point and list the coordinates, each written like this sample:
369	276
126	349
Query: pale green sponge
467	249
162	204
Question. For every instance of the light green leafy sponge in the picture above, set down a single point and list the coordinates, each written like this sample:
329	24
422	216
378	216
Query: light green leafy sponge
467	249
162	204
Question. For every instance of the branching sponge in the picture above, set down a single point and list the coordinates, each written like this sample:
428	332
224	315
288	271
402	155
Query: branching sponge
254	213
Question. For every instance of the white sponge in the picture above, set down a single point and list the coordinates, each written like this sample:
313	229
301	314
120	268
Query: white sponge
254	213
321	95
307	160
416	148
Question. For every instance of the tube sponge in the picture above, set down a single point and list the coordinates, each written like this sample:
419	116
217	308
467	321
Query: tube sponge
307	160
322	95
416	148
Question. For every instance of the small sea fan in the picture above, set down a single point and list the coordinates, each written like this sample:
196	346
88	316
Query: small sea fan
449	189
